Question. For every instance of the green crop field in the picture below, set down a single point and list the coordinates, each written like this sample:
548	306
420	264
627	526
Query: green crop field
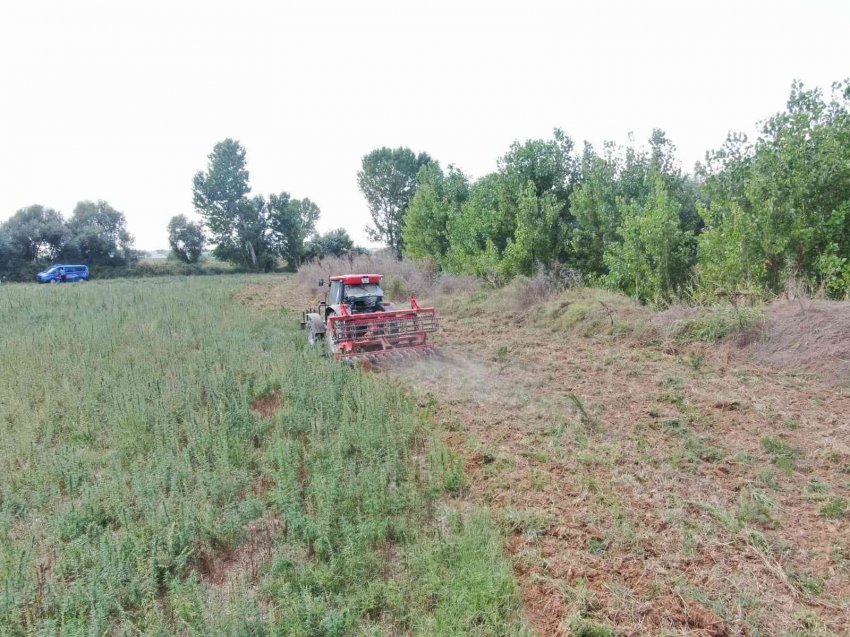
175	462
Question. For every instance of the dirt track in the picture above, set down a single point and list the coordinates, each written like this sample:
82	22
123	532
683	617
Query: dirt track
634	480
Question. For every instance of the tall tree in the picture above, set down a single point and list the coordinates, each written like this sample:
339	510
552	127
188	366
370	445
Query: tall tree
252	232
538	233
292	221
653	259
100	235
613	182
220	196
388	181
438	199
6	254
37	233
186	238
783	201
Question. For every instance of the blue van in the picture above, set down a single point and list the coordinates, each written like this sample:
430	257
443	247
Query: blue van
64	274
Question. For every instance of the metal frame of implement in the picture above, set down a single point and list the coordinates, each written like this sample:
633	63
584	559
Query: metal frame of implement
376	335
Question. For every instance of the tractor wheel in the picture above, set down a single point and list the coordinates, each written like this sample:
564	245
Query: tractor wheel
333	348
312	337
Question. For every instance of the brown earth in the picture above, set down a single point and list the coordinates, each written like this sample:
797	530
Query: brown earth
644	486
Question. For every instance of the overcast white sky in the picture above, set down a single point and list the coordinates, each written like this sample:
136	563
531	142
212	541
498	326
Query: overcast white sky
123	100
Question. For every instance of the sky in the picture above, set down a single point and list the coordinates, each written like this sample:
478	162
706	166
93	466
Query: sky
123	101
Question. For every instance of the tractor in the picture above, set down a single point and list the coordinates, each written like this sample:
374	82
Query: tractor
355	322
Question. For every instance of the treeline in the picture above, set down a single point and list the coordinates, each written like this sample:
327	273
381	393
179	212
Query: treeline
753	214
251	233
256	233
95	234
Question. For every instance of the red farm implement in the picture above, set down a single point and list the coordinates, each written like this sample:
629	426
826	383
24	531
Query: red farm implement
355	322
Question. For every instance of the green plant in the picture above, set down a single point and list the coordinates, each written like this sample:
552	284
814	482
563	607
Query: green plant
696	360
719	322
530	522
815	490
586	419
811	584
784	455
755	507
836	508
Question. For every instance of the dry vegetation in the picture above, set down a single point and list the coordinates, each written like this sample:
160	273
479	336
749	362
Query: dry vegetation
402	278
680	473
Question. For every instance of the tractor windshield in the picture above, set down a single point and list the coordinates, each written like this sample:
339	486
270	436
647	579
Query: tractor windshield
365	289
363	297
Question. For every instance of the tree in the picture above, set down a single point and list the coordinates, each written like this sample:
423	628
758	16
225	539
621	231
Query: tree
100	235
220	196
292	221
438	199
537	235
479	232
653	259
783	200
6	254
596	209
186	238
37	233
613	181
334	243
251	232
388	181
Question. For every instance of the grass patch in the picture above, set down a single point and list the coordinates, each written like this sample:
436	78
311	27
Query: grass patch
140	492
717	323
815	490
783	455
591	312
836	509
532	523
806	582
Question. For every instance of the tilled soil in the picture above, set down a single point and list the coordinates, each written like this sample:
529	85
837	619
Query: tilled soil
643	486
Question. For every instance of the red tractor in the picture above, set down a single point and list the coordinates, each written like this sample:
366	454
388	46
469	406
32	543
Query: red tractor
354	321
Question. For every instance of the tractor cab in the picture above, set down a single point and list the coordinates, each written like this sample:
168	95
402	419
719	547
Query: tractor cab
360	293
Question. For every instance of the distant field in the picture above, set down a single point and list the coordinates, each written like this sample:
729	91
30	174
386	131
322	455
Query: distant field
173	461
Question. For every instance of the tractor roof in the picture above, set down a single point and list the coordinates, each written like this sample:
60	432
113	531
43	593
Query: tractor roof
355	279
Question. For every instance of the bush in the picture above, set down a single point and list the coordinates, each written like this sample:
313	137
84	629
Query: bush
710	324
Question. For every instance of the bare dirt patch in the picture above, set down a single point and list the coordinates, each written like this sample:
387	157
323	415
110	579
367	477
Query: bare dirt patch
278	293
266	406
635	479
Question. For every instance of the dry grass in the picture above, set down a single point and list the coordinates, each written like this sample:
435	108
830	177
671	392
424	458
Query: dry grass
402	278
796	334
811	337
647	486
645	491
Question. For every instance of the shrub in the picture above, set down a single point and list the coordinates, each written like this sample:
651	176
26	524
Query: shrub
835	509
712	324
